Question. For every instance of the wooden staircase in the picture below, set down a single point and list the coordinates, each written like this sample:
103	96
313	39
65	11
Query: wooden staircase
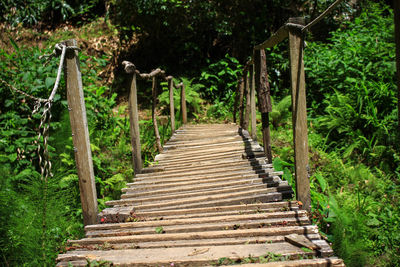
212	199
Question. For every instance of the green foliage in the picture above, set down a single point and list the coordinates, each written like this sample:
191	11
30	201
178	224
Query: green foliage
193	99
281	111
35	228
354	156
219	80
160	230
32	12
205	30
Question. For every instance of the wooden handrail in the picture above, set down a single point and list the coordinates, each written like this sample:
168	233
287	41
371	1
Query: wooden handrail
280	35
155	76
259	83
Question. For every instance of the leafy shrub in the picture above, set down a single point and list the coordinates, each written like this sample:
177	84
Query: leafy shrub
193	99
219	80
32	12
27	210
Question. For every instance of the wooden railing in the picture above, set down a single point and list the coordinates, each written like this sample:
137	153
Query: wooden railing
155	75
79	125
247	88
258	81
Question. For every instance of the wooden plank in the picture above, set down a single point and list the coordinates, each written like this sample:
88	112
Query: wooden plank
265	231
153	169
241	104
247	92
326	262
236	103
245	218
171	104
80	135
183	104
253	105
134	127
300	241
190	256
275	39
264	98
299	115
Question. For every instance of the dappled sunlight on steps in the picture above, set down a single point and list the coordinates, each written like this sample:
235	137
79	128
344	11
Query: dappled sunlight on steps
211	198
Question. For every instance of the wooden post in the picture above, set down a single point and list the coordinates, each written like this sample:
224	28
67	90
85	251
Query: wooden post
171	103
396	7
153	115
264	98
236	103
183	104
246	89
241	104
80	135
300	139
253	105
134	127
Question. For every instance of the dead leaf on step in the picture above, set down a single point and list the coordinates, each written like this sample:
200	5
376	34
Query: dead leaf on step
91	257
198	251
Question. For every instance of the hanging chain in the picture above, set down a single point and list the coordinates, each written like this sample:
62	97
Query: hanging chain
44	126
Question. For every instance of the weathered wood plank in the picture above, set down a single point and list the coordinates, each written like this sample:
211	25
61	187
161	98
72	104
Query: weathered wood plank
247	93
241	104
275	39
171	104
253	105
183	104
154	115
300	241
134	126
299	115
80	135
264	98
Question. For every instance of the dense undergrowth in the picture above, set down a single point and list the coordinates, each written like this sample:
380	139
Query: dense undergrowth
353	136
354	152
28	219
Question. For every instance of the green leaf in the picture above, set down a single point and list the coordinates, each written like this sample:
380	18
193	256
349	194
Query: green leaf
12	157
67	180
159	230
373	222
322	182
306	249
13	43
49	82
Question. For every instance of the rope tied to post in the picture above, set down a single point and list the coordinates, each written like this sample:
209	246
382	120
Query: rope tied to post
305	28
60	49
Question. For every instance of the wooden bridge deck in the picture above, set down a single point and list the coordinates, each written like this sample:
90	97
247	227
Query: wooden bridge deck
211	200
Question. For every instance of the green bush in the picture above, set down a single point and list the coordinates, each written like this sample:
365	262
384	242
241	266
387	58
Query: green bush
354	154
31	12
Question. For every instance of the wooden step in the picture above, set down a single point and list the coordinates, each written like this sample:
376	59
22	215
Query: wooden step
210	199
252	162
196	221
238	168
124	213
191	188
229	233
200	243
325	262
207	151
209	191
191	256
218	226
215	199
